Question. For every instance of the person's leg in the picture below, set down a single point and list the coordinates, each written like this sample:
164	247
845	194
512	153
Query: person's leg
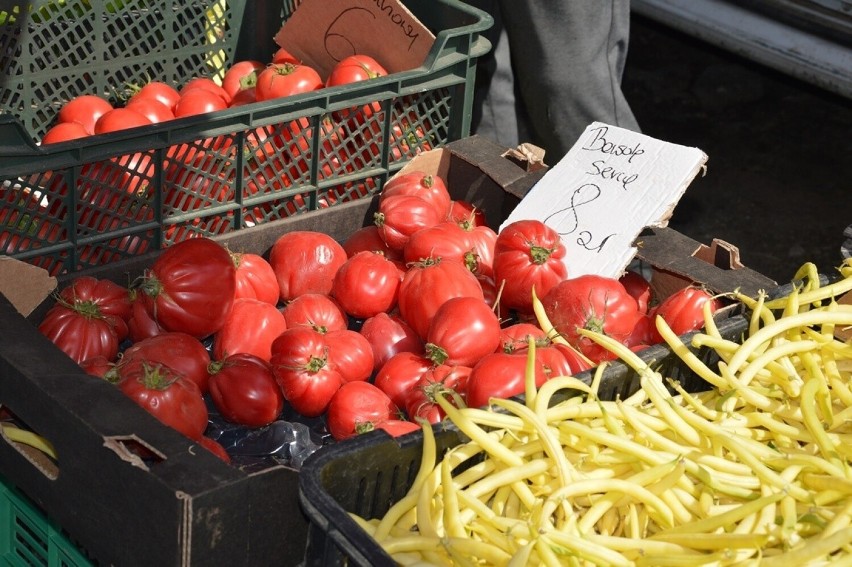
495	112
568	57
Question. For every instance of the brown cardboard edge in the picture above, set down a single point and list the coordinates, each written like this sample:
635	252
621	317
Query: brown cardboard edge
675	256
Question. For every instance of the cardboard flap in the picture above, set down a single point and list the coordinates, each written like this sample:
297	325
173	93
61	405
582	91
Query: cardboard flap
24	285
509	169
322	33
677	258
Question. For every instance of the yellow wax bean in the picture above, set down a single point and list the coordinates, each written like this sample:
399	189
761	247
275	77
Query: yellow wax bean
549	439
810	550
586	549
783	325
476	433
714	541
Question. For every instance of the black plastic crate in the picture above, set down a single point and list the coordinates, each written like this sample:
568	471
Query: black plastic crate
74	205
370	473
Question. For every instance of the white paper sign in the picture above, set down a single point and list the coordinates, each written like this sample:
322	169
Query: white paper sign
607	188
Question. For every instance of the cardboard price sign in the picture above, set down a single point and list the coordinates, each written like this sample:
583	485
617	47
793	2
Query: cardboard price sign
608	187
322	33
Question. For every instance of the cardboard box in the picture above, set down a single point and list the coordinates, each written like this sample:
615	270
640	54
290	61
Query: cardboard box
187	507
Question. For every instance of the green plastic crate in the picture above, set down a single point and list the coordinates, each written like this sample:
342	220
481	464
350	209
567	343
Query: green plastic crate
57	49
28	538
70	206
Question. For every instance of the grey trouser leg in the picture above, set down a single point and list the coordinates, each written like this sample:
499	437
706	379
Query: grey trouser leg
567	58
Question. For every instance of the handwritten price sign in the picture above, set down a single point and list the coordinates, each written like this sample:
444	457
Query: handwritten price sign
607	188
321	33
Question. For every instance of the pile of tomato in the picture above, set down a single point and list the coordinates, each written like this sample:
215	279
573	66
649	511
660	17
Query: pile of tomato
243	82
122	191
364	333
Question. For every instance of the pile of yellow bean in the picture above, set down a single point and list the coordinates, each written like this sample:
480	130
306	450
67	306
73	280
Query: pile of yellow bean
756	470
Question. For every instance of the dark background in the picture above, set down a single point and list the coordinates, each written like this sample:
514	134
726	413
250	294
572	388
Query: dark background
778	183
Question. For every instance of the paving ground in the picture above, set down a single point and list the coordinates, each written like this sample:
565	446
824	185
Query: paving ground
779	175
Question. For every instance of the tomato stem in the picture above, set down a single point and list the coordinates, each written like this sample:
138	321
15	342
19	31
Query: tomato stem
540	254
315	364
150	286
157	376
436	354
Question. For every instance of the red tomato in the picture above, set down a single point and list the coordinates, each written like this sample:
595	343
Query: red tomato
317	311
214	447
400	374
357	407
97	366
198	101
255	278
389	335
120	119
302	369
117	184
244	390
517	335
559	359
205	84
84	110
355	68
174	400
244	96
368	239
140	324
683	311
250	327
463	330
404	141
64	132
430	188
527	254
450	381
151	108
351	353
81	332
284	56
480	256
286	79
159	91
500	375
400	216
366	284
427	285
489	289
178	351
197	184
445	240
352	69
596	303
305	262
240	76
638	287
190	287
397	427
644	333
24	226
466	213
109	297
